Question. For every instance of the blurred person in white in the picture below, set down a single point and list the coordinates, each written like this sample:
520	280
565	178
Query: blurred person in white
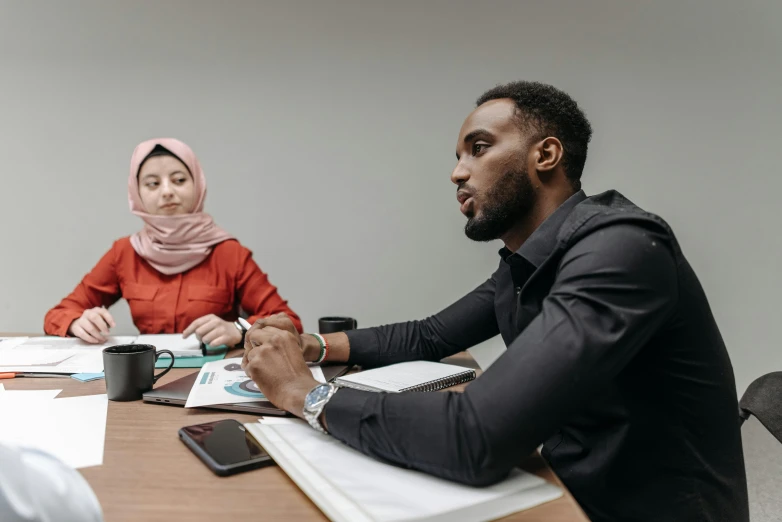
37	487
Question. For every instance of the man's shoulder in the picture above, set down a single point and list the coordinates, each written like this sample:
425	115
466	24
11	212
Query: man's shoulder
611	213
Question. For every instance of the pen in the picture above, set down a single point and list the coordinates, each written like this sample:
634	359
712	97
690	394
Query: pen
244	323
243	326
13	375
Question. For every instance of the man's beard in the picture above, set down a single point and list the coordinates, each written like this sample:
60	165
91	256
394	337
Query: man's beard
505	204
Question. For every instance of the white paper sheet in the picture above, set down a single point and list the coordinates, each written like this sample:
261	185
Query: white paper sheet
349	486
10	341
317	373
24	396
55	355
72	343
71	429
181	346
224	382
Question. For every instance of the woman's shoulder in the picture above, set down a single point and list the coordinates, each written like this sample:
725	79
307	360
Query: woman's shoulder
230	247
122	252
122	248
231	255
122	244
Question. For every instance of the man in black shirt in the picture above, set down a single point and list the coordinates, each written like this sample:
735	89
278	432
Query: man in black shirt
614	361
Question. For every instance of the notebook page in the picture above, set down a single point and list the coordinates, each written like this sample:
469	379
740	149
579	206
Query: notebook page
399	376
383	492
180	346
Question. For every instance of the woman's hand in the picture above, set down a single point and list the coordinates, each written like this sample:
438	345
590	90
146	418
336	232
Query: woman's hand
213	331
93	326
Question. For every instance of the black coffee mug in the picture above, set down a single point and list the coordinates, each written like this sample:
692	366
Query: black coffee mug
336	324
130	370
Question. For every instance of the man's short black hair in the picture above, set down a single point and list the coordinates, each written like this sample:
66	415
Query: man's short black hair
550	112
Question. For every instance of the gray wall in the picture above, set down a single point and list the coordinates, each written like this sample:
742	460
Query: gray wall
327	133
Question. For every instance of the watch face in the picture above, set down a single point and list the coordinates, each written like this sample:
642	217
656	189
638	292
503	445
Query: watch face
316	396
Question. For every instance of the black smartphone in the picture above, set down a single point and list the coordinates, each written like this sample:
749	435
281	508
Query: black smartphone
225	447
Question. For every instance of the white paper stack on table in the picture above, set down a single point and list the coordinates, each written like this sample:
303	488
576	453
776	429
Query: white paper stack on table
67	355
180	346
64	355
350	487
71	429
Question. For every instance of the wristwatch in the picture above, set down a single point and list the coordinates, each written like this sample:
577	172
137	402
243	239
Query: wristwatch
314	403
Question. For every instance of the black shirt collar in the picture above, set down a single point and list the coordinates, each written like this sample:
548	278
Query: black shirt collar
543	240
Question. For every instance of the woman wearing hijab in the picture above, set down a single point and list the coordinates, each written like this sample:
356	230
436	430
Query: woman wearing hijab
180	273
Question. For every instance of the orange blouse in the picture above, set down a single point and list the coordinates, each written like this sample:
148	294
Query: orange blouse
225	281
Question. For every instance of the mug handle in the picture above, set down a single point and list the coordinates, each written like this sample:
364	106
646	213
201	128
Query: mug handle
161	374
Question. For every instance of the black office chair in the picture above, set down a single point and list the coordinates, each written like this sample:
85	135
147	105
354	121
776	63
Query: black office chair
762	453
763	399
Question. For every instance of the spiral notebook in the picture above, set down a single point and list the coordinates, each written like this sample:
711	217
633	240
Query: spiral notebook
408	376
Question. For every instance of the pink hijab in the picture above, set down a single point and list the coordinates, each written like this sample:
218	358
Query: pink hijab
173	244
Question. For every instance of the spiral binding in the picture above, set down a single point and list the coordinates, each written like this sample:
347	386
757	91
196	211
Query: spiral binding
435	385
444	382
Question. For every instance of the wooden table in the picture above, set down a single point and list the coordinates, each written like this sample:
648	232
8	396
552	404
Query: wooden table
149	475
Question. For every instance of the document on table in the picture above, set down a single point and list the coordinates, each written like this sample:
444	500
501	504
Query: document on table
180	346
351	487
224	382
72	429
55	355
7	342
27	396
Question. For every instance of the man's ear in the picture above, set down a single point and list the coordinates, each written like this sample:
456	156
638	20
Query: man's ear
547	154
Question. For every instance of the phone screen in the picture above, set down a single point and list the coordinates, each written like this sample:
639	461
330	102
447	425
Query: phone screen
226	441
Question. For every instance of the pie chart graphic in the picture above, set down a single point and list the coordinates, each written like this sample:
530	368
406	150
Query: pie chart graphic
245	389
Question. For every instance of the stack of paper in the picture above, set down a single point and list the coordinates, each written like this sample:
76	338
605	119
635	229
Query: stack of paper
180	346
26	395
71	429
351	487
4	339
70	355
54	354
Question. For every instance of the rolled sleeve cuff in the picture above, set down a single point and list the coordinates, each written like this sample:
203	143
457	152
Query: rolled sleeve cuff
344	413
61	324
364	347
